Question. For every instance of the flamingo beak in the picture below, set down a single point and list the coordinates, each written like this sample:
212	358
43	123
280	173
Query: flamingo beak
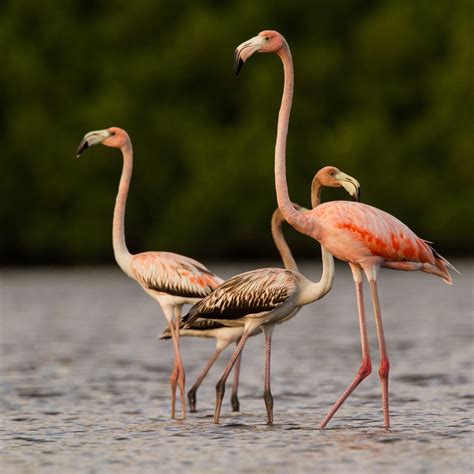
245	50
350	184
91	139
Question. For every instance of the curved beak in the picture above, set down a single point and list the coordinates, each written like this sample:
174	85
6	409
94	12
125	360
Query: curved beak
350	184
245	50
91	139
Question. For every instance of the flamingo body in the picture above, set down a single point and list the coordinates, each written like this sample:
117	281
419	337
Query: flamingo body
359	233
168	273
263	294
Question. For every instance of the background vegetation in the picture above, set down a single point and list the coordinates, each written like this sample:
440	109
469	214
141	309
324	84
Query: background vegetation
383	91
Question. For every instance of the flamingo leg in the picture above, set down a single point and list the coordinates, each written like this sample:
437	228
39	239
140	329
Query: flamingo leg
234	400
267	394
220	387
181	373
200	378
365	367
384	362
174	374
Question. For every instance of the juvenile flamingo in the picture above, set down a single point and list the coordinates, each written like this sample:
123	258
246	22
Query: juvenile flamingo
225	335
365	237
171	279
265	297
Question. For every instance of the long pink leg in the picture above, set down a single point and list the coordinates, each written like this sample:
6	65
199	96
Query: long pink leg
234	400
384	362
267	394
175	373
220	387
365	366
181	372
201	376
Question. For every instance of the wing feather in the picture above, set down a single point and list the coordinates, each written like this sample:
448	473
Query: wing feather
372	231
174	274
252	292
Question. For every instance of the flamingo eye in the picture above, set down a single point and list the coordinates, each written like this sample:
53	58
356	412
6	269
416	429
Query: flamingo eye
112	133
267	38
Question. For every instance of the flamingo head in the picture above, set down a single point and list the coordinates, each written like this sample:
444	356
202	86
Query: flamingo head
267	41
114	137
332	177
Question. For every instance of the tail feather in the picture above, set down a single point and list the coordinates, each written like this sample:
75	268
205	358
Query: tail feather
166	334
189	317
444	266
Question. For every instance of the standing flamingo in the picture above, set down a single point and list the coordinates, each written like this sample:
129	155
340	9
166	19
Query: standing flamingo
171	279
365	237
265	297
226	335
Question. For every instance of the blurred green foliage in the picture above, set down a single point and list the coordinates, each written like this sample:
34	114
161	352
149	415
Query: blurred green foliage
383	91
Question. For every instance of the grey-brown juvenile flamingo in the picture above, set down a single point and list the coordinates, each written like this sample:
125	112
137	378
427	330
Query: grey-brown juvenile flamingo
225	335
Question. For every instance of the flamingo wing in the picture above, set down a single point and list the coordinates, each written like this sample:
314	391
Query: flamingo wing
252	292
370	232
174	274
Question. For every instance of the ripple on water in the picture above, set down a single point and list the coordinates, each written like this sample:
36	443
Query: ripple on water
37	392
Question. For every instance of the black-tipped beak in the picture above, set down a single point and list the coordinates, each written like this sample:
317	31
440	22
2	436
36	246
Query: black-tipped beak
84	145
91	139
238	63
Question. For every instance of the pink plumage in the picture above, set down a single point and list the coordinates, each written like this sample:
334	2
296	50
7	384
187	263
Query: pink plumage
359	233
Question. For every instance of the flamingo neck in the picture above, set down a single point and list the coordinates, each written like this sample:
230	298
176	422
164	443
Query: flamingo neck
315	291
281	244
291	215
122	255
316	189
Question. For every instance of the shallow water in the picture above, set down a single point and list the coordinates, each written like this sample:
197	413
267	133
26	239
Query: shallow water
84	382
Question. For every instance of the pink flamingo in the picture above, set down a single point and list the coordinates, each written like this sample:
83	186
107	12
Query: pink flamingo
365	237
265	297
171	279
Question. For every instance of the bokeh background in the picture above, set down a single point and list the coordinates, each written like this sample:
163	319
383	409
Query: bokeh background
383	91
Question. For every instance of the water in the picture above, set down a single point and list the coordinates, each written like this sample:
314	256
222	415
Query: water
84	382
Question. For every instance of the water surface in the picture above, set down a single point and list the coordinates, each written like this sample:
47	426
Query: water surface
84	381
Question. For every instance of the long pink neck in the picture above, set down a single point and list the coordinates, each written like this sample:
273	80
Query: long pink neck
122	255
292	216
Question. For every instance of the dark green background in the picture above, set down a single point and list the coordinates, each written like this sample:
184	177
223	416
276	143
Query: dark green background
383	91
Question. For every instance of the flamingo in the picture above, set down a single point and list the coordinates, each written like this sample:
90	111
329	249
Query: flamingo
265	297
171	279
365	237
225	335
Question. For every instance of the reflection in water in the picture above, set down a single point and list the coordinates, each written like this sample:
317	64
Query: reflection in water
84	383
